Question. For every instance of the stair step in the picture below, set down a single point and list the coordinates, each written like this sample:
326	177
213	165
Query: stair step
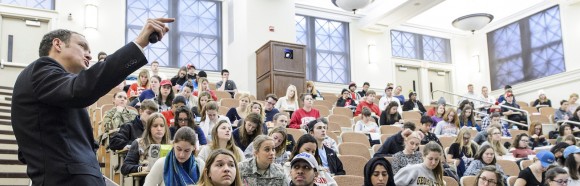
6	127
12	169
9	146
8	156
7	137
15	181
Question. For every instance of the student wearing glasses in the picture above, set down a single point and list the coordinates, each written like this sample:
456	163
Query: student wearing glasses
557	176
489	176
269	109
537	138
520	146
462	151
184	118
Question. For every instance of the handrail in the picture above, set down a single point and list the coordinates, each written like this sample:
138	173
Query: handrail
484	101
568	121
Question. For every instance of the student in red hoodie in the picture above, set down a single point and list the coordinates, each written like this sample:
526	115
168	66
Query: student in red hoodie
305	114
368	102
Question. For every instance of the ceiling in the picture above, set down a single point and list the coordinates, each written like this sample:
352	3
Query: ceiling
433	14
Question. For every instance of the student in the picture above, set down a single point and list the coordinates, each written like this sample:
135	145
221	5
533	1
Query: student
462	151
239	112
572	102
425	128
439	114
180	166
186	92
165	97
409	155
202	99
115	117
150	93
304	170
204	87
289	102
398	94
221	168
494	140
489	175
558	151
328	157
269	109
364	90
449	125
352	94
222	139
557	176
562	113
178	101
228	85
368	102
280	120
184	118
156	132
378	172
133	129
430	172
368	126
486	156
279	136
180	78
209	118
564	130
303	115
395	143
251	128
345	101
537	138
534	174
572	165
308	144
520	146
483	106
310	89
261	169
542	100
390	115
482	135
388	98
141	85
467	119
513	115
414	104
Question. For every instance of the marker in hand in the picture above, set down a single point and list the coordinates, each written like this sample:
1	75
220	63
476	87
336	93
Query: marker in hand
154	37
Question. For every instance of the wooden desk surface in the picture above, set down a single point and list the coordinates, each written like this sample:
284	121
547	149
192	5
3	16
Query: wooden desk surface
139	174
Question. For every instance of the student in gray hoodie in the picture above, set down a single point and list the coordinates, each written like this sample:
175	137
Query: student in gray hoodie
430	172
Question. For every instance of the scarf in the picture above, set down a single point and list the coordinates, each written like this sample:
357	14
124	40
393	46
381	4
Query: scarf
176	174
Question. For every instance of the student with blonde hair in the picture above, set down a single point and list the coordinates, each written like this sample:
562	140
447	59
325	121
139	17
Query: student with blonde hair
430	172
156	132
221	168
289	102
221	139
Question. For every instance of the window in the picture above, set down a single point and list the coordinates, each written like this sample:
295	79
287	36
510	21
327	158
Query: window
422	47
194	38
327	51
41	4
527	49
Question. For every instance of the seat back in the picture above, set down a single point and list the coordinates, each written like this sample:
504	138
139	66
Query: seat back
353	165
296	133
229	102
222	110
525	164
323	110
468	180
341	120
449	181
350	148
446	141
349	180
411	115
390	129
356	137
509	167
342	111
222	94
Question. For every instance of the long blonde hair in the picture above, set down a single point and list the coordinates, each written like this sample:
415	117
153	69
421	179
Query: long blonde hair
455	118
147	139
313	91
438	171
144	72
244	111
230	145
499	148
281	149
459	140
290	88
205	180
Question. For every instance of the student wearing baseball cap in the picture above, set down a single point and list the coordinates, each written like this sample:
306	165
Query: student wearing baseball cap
572	153
303	170
529	175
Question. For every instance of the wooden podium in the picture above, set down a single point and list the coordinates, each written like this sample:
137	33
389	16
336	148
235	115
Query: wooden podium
279	64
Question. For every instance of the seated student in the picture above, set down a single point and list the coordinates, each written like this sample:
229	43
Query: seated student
556	176
368	102
289	102
180	78
388	98
378	172
570	139
534	174
520	146
513	115
246	133
221	168
576	115
191	75
495	118
572	155
157	133
537	138
115	117
280	120
328	157
204	87
449	125
365	89
165	96
310	89
261	169
228	85
489	175
178	101
462	151
222	139
564	130
269	110
141	85
195	80
414	104
409	155
486	156
345	101
134	129
395	143
506	89
494	140
237	113
202	99
279	136
368	126
463	104
180	166
302	116
425	128
304	170
438	113
187	92
184	118
542	100
256	107
209	118
558	151
467	119
481	136
352	94
308	144
150	93
390	115
397	93
430	172
562	113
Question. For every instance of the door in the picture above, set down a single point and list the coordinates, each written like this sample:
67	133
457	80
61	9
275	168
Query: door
20	39
440	80
408	78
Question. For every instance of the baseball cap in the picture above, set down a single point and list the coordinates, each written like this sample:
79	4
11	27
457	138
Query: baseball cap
546	158
165	82
572	149
351	84
309	158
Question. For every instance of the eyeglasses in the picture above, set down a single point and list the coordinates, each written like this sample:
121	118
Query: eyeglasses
561	182
491	182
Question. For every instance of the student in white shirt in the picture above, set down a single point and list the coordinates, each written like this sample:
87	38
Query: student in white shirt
368	126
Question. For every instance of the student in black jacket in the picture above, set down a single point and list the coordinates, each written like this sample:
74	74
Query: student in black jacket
395	143
328	157
413	104
133	130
